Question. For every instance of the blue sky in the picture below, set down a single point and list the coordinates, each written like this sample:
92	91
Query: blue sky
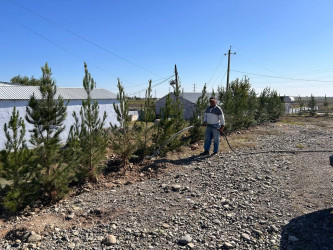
284	45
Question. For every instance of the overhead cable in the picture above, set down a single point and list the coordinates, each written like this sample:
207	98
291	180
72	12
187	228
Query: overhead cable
153	86
70	52
84	39
281	77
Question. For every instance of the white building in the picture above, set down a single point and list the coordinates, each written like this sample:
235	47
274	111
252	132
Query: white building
188	99
134	114
18	96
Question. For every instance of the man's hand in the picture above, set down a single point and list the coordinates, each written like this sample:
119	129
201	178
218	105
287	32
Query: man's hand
221	130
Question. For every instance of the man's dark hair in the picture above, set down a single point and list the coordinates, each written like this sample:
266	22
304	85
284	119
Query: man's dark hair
212	98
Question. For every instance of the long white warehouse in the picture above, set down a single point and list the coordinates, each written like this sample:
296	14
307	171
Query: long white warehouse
18	96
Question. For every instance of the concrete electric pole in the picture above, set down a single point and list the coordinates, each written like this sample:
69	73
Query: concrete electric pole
229	52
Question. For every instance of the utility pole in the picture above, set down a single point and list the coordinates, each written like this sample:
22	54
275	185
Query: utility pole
193	87
176	75
229	52
175	82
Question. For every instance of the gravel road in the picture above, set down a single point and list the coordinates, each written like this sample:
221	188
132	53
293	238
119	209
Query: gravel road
257	199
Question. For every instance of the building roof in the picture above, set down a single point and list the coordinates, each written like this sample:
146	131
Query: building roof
25	92
9	84
191	96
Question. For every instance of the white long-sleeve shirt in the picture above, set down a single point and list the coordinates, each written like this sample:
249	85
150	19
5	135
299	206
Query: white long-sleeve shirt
214	116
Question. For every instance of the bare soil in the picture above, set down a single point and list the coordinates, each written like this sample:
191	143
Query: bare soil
285	198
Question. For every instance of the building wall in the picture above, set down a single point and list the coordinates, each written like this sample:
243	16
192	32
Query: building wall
159	104
6	109
188	107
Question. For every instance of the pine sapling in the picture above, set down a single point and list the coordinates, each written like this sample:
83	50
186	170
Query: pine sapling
312	105
87	138
16	166
124	137
147	116
325	104
197	132
47	116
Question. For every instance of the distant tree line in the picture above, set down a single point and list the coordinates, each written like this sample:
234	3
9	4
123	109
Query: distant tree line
24	80
312	106
46	172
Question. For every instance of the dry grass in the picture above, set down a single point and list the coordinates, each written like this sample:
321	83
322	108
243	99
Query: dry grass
320	121
293	120
237	141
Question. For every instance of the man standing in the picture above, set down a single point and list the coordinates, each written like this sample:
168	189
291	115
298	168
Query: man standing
214	120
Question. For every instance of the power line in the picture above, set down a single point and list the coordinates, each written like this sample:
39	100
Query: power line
160	79
137	85
84	39
293	75
153	86
253	62
223	76
71	52
223	70
57	45
216	80
281	77
215	70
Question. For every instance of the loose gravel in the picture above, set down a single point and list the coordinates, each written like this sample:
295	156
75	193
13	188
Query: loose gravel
264	200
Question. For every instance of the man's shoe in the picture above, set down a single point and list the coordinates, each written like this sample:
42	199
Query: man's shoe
204	153
215	153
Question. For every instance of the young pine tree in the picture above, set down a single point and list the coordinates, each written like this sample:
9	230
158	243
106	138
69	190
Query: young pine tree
47	116
239	104
197	132
148	115
124	139
262	112
301	104
225	97
87	139
243	110
172	119
275	106
166	127
270	106
325	104
16	166
178	104
312	105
